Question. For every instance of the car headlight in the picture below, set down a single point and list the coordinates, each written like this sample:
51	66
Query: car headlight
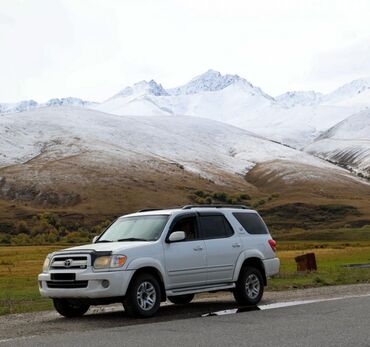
45	266
110	262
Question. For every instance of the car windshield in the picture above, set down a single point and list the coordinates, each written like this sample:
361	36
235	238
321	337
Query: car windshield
140	228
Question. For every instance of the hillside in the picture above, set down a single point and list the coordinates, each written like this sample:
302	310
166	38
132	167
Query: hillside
86	164
347	144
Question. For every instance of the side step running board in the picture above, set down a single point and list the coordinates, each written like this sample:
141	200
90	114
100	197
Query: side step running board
208	288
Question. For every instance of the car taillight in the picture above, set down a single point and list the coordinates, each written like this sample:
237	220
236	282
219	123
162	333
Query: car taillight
272	244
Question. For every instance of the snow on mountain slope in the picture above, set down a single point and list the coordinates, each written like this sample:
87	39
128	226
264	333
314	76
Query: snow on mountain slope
294	118
136	100
200	145
355	93
21	106
28	105
209	95
212	81
347	143
306	98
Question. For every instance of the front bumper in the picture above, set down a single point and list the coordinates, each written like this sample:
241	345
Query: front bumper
118	284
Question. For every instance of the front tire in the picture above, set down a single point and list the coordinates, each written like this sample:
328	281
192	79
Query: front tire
249	288
70	309
143	297
181	299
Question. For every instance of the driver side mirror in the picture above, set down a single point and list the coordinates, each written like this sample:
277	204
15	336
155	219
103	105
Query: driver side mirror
95	238
177	236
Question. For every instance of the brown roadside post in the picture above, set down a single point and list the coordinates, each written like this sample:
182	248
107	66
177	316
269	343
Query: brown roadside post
306	262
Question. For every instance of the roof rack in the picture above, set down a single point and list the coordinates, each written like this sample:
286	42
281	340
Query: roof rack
149	209
188	207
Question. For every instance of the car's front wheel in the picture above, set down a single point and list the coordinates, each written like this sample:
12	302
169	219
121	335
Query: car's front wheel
249	288
69	308
143	297
181	299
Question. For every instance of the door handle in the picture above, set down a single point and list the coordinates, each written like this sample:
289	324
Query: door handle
236	245
198	248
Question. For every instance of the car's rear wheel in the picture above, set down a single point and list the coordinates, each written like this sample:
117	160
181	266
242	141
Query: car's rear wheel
69	308
143	297
249	288
181	299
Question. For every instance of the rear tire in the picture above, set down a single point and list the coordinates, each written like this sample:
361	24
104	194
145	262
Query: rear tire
249	288
143	297
181	299
70	309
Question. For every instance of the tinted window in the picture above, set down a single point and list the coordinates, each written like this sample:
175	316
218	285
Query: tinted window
188	225
215	226
251	222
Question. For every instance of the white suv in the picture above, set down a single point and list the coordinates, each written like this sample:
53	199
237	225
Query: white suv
153	255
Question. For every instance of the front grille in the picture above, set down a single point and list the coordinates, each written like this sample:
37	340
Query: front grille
69	262
67	284
63	277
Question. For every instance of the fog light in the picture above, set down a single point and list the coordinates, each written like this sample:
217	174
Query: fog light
105	283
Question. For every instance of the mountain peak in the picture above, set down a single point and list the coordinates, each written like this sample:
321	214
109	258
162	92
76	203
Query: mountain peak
141	88
69	101
306	98
349	90
209	81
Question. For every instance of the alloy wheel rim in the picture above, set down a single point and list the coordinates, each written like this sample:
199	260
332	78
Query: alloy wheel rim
252	286
146	296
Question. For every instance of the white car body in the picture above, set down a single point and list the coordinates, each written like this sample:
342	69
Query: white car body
183	267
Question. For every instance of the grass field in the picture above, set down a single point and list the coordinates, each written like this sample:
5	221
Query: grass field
19	266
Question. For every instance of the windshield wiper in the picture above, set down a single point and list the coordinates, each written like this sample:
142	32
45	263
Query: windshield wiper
132	239
101	241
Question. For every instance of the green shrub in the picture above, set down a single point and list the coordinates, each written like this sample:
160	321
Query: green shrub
220	196
21	239
244	197
200	193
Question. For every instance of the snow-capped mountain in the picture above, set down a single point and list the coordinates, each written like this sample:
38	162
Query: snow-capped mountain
21	106
212	81
347	143
136	100
141	88
69	102
354	93
28	105
295	118
305	98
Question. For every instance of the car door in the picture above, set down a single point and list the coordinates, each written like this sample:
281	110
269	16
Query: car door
186	259
223	246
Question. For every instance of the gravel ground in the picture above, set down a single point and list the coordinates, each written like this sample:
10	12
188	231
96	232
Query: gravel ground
47	322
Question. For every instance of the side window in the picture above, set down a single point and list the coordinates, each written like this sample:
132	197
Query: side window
215	226
251	222
188	225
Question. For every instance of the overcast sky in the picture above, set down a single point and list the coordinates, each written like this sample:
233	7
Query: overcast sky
91	49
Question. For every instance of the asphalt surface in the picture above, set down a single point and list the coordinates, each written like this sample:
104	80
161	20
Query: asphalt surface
332	322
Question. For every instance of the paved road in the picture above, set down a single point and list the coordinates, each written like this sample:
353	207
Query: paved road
342	322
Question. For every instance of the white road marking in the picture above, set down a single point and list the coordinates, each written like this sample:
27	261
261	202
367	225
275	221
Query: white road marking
18	338
280	305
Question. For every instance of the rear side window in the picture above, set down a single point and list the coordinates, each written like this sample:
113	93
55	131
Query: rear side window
215	226
251	222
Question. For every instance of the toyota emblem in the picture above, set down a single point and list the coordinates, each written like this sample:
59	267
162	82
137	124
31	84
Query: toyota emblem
68	262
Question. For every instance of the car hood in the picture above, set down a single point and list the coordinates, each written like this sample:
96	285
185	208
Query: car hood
115	247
